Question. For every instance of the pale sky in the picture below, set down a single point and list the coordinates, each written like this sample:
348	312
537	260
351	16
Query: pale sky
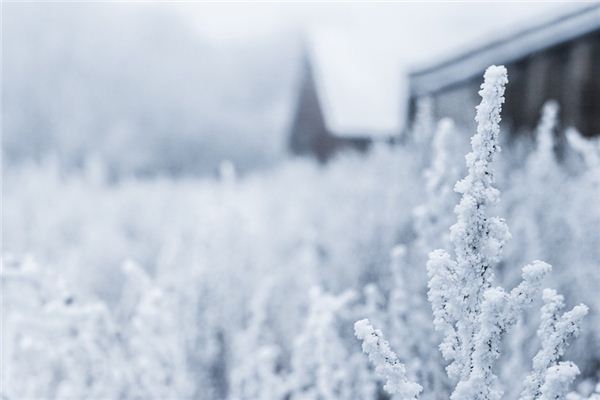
362	48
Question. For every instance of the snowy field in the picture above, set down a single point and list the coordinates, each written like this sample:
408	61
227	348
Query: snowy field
159	242
248	287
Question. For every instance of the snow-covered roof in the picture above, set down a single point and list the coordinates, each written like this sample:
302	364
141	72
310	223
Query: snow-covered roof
358	84
468	64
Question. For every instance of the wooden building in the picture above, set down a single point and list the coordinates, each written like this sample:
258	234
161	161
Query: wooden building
346	98
556	59
309	134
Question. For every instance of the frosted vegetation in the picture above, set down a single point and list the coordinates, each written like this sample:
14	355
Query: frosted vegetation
266	286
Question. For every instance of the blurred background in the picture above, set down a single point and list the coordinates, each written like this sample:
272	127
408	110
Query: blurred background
176	88
200	199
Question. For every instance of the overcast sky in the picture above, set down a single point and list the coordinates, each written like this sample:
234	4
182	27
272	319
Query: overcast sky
361	48
100	76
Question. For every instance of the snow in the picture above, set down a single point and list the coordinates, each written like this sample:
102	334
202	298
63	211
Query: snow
359	84
522	40
386	362
249	285
537	268
246	284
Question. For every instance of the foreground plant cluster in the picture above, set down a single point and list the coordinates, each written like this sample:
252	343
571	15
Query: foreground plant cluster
264	287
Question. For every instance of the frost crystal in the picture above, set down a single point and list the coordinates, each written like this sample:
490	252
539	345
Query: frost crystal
477	238
555	332
386	362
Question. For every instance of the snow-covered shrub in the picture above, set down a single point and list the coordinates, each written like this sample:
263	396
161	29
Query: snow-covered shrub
254	370
584	243
386	362
410	318
320	367
536	199
593	394
71	346
548	208
153	342
549	378
589	149
207	245
463	307
225	264
422	130
434	217
473	315
58	345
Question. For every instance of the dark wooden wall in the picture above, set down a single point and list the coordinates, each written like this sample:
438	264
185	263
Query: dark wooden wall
568	73
309	134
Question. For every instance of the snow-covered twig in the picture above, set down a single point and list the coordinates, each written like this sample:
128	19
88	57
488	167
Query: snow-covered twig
386	362
554	332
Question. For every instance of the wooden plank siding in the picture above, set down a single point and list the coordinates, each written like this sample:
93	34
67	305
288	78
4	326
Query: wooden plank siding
567	71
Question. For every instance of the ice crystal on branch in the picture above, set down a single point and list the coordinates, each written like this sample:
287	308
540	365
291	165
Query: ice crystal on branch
555	332
320	361
545	133
457	286
499	312
386	362
473	315
558	380
434	217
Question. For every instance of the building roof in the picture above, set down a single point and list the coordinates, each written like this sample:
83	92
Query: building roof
358	85
505	49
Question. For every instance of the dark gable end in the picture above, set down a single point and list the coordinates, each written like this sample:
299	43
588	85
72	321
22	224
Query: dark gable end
309	135
558	59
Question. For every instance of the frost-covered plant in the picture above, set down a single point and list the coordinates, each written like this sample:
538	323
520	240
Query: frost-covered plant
434	217
457	287
77	347
594	395
253	372
386	362
410	317
364	379
536	216
473	315
210	242
549	210
154	344
57	344
374	306
400	306
320	358
424	122
584	219
557	382
588	148
549	378
411	321
422	131
543	160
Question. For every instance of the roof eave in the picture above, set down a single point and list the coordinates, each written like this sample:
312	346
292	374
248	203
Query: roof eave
503	51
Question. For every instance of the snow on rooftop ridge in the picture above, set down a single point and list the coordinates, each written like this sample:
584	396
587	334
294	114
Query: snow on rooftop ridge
504	49
358	84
